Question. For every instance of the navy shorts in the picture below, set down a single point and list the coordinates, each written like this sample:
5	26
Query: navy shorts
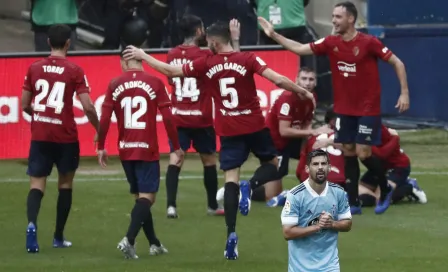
294	148
235	149
143	176
365	130
283	163
399	176
43	155
203	140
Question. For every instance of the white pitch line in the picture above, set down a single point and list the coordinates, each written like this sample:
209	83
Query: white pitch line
187	177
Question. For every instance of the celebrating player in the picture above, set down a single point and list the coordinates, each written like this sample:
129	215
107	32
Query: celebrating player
134	97
289	118
314	212
229	76
52	83
192	110
398	167
353	56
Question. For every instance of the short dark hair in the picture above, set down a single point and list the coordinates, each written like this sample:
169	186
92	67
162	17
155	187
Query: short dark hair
350	8
329	115
59	35
189	24
316	153
219	29
306	69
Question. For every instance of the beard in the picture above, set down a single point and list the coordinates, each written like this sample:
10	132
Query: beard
320	177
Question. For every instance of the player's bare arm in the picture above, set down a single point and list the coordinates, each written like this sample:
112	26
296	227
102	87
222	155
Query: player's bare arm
293	46
235	34
27	97
295	232
133	52
89	110
403	100
287	131
285	83
343	225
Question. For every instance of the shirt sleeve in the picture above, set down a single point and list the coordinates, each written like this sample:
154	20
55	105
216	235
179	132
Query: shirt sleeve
256	64
27	81
107	109
379	50
81	83
290	212
320	47
196	68
284	111
343	206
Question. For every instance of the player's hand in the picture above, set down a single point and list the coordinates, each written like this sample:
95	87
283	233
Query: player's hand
132	52
234	26
180	155
403	103
322	130
392	131
268	28
321	144
325	220
102	158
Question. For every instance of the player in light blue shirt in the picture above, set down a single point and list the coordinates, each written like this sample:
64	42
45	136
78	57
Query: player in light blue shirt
314	213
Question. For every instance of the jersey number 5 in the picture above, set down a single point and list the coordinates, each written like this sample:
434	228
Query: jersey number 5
55	98
186	89
225	90
131	119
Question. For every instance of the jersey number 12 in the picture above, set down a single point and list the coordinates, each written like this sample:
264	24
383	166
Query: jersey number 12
131	119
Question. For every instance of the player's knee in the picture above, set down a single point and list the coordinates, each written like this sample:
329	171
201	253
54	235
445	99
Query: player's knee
174	160
147	196
65	180
38	183
232	175
266	172
363	151
349	149
208	159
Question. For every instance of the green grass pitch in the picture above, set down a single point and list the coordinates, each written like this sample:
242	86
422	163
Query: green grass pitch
408	237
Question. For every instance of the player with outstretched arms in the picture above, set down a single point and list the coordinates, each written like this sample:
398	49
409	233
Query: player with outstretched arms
134	97
192	112
52	83
229	76
314	213
357	94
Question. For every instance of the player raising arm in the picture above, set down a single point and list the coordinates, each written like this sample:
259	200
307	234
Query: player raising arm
239	122
357	94
52	83
134	97
314	212
192	110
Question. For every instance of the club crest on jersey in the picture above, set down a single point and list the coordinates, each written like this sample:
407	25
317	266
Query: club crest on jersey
225	58
333	210
356	51
183	52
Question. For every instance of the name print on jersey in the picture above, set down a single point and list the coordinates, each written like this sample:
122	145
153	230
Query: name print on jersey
132	85
226	66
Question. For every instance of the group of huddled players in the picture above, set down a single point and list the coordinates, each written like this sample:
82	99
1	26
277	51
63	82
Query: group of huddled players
226	75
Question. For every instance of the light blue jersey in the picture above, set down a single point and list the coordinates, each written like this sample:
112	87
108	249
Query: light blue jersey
319	251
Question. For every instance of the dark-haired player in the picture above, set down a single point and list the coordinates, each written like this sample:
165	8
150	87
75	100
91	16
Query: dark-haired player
314	213
134	97
398	166
192	110
357	91
51	84
289	118
229	76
